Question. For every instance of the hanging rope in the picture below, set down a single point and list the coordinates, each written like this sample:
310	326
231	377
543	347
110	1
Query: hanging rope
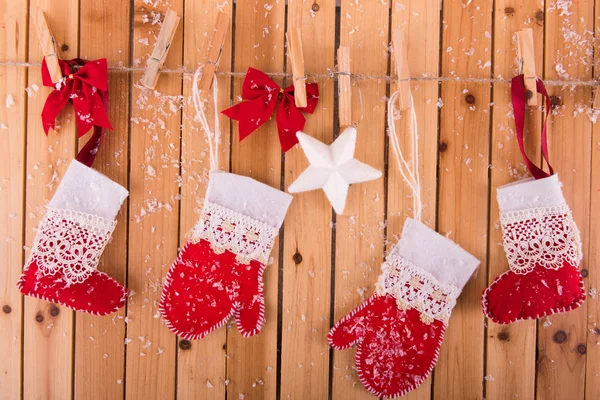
332	74
410	173
213	138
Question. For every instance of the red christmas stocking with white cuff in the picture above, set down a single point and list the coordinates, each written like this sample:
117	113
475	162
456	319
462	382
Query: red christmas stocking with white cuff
218	274
398	331
543	249
69	242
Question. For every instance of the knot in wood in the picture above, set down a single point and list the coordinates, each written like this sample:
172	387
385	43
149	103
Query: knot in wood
7	309
54	311
470	99
297	258
185	344
39	317
560	337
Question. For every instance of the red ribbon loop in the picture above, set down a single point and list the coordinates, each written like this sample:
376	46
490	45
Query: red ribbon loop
519	101
87	89
261	95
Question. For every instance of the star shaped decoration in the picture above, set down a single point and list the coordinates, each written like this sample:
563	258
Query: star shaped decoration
332	168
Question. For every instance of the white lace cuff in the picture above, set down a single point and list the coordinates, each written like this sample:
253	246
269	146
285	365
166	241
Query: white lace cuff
545	236
71	242
227	230
537	225
78	224
426	271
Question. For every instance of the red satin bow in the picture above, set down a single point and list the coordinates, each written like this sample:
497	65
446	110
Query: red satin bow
87	89
261	95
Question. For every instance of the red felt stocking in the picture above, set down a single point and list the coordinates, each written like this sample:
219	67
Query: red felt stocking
69	242
543	249
399	330
541	239
218	274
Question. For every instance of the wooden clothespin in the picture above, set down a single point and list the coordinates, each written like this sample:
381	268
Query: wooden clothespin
344	86
161	49
215	49
526	57
294	40
400	50
48	44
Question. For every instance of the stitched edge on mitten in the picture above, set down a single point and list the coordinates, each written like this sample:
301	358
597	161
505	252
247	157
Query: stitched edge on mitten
234	309
359	371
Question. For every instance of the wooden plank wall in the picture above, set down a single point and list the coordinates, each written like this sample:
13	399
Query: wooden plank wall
323	265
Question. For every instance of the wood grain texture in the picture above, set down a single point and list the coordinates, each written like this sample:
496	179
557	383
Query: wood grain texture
159	153
47	345
307	252
418	20
592	379
207	382
252	362
560	366
13	45
359	234
99	341
153	212
463	188
507	344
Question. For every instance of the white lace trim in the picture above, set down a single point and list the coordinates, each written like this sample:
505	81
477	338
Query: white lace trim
546	236
413	287
226	229
71	242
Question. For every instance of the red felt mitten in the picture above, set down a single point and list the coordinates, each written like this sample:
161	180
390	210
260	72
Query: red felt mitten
219	271
399	330
543	249
69	242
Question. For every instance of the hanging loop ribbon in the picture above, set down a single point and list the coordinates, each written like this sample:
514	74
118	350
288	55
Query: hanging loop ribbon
87	89
519	101
410	173
261	95
213	138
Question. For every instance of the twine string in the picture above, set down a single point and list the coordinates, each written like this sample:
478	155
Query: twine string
334	75
410	173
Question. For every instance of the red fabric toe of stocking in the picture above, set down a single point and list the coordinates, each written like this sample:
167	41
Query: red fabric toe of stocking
99	294
512	297
395	352
203	290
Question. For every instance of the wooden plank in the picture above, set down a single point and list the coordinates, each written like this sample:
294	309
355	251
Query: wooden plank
207	382
259	33
359	233
463	187
561	367
153	211
48	339
307	252
592	379
417	19
99	346
510	358
12	192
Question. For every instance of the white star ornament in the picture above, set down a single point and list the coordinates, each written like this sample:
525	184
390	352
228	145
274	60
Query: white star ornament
332	168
